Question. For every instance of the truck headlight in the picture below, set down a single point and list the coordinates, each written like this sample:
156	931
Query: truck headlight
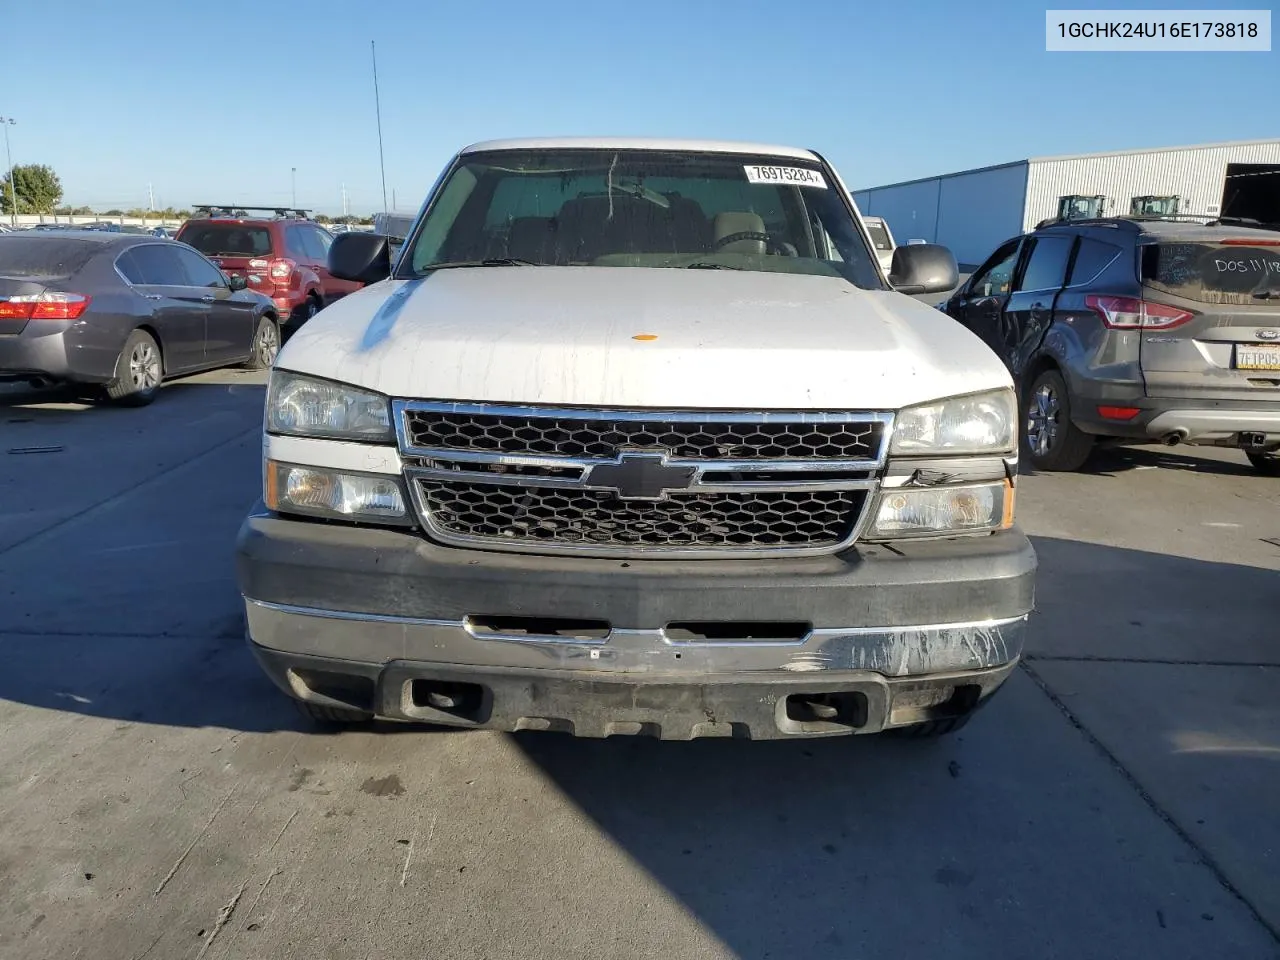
941	510
334	494
977	423
300	406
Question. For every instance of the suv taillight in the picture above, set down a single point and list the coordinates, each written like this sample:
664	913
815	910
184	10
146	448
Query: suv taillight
1129	313
44	306
282	269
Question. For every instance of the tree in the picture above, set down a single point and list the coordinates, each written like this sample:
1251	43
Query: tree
323	218
37	186
114	213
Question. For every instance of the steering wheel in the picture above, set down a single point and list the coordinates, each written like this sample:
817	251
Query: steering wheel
770	244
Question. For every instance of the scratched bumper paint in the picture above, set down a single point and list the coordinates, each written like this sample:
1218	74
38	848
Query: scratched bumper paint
897	652
395	614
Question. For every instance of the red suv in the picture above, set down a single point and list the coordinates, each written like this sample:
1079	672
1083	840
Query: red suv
284	256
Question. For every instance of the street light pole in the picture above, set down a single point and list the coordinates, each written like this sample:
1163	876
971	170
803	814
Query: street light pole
377	106
7	122
293	179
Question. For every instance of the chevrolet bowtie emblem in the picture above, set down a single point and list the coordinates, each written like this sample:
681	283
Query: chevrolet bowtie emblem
640	476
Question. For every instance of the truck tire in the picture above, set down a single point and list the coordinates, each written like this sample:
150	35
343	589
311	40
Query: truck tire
332	716
1049	439
1267	464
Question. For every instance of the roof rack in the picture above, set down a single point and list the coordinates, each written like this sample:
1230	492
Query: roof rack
1208	219
206	210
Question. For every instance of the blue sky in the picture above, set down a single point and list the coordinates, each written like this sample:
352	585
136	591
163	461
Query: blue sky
216	102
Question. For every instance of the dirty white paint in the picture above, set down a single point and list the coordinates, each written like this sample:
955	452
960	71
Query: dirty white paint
565	335
337	454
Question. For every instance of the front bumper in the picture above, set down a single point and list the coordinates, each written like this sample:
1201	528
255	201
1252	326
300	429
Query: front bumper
382	621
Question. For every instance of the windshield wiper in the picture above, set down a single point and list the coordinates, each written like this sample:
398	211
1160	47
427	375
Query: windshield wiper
704	265
1267	295
488	262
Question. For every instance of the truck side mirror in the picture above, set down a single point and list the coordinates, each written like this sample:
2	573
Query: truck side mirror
923	268
362	257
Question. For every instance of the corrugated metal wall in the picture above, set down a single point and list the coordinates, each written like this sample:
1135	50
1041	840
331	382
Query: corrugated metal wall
970	212
910	208
1195	174
980	210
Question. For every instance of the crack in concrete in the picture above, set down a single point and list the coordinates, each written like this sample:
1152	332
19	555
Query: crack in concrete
1164	661
1206	859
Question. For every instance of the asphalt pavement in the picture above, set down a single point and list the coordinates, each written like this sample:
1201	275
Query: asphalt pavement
160	799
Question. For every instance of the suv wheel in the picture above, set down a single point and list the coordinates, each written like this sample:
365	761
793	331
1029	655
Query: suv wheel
1267	464
1051	441
305	311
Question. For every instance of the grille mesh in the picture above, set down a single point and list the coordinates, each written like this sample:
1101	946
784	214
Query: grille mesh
557	436
543	515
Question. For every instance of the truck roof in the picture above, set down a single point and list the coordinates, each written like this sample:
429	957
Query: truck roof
641	143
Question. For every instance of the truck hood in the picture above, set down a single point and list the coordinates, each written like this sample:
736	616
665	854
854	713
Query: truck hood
643	337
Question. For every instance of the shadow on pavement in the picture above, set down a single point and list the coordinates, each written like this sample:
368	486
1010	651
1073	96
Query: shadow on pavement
776	847
1108	461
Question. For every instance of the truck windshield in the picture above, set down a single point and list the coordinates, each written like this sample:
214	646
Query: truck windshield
641	208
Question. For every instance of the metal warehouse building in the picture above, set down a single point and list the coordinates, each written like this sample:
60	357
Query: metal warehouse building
973	211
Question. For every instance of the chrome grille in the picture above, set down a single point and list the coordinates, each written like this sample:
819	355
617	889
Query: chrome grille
548	515
610	482
702	438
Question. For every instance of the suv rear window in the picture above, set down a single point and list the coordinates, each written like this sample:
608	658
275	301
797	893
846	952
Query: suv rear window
227	239
1213	272
46	257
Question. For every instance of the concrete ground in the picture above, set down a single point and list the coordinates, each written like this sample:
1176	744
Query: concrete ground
159	799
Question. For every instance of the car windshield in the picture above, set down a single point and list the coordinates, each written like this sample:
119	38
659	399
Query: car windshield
228	239
642	208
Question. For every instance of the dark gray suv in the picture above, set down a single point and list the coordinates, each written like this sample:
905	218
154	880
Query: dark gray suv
1136	330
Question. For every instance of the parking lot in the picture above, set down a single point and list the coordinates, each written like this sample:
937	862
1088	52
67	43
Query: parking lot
161	799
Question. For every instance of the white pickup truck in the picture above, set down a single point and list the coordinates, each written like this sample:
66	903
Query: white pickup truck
637	437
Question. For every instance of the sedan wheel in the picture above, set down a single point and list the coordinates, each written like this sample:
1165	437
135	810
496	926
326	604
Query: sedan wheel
144	366
139	370
266	344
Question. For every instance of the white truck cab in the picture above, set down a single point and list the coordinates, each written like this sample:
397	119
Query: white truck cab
635	438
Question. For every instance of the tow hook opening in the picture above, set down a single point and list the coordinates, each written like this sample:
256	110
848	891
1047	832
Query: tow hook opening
461	700
340	689
841	709
925	703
